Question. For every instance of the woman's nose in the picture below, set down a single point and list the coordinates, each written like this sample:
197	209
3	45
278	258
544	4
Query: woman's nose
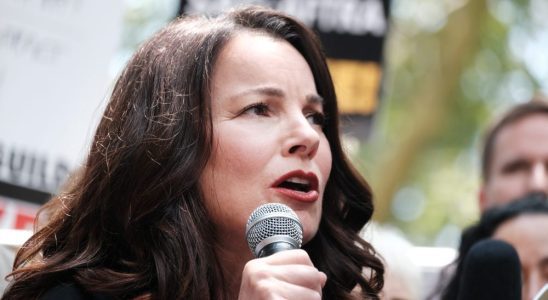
303	138
533	286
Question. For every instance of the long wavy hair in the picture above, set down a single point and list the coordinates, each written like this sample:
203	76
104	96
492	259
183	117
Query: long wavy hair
133	223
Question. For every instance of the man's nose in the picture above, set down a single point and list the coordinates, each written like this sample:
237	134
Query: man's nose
539	178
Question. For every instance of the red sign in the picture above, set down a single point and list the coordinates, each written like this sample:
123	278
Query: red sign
15	214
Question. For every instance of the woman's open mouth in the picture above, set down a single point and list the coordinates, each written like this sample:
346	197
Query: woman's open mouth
298	185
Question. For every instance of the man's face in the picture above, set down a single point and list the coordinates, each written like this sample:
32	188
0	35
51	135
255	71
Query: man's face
519	164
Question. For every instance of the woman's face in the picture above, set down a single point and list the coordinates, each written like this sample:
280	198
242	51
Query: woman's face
269	146
527	234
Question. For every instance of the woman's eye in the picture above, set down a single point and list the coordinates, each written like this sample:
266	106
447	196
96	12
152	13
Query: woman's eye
260	109
316	118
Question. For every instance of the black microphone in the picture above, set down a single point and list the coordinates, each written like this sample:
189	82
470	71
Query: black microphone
491	270
271	228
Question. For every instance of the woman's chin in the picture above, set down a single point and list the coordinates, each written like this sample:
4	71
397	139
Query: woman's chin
309	233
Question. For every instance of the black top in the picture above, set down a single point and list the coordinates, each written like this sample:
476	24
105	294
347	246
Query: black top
71	291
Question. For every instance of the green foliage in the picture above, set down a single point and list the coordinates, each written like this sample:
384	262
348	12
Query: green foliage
439	97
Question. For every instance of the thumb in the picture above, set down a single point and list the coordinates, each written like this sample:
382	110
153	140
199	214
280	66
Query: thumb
323	278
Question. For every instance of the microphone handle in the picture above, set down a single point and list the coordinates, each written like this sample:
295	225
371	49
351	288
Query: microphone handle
275	247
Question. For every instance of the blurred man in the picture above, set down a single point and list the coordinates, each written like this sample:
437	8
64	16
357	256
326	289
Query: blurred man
515	155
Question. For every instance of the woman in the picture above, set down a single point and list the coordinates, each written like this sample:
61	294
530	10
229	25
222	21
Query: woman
210	119
522	224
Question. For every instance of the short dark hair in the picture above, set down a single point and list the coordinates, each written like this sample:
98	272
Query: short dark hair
537	105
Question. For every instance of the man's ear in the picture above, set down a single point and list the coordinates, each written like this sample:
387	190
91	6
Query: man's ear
482	199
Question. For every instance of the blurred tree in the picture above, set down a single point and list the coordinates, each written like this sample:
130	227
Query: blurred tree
448	65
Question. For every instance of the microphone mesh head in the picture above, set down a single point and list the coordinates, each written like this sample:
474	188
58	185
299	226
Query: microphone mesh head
272	219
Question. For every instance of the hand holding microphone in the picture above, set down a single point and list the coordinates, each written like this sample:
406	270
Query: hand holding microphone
274	234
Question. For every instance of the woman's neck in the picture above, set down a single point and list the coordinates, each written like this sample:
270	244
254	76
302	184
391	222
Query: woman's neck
232	263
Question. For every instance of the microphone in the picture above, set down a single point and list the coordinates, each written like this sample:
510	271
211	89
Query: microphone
272	228
491	270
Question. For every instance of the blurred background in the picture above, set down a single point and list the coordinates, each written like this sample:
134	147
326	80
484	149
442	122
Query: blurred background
417	90
451	67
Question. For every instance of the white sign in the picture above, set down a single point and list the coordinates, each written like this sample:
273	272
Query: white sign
54	60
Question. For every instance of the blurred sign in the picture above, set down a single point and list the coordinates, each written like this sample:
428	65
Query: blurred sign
353	34
15	214
54	60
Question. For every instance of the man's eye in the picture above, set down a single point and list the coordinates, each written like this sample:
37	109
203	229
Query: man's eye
516	166
316	118
260	109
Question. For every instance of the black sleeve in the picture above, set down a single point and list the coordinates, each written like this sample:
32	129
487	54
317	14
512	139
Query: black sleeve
64	291
71	291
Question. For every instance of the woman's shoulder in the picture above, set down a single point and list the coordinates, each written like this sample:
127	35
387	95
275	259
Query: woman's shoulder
70	291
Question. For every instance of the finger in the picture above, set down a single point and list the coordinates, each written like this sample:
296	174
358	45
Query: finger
296	256
262	281
258	271
301	275
323	279
291	291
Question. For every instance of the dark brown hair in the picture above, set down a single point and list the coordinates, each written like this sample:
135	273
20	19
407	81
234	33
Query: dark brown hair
536	106
134	223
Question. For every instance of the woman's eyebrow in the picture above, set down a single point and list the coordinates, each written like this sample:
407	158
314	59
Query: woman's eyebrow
267	91
315	99
279	93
